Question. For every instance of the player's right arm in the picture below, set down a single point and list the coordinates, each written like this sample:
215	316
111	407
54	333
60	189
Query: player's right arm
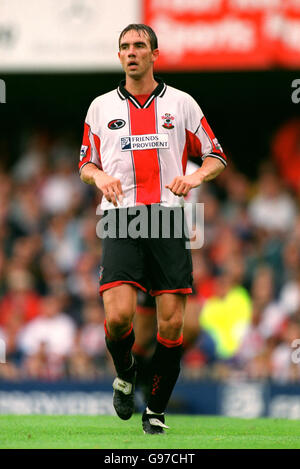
109	186
90	164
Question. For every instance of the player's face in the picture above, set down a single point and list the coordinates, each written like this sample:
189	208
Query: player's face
135	54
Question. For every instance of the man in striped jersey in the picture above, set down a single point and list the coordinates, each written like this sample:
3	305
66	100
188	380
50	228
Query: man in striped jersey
136	142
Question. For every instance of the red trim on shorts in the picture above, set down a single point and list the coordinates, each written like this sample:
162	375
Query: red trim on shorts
184	291
117	283
169	343
122	337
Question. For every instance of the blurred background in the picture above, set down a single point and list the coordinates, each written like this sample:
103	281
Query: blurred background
240	59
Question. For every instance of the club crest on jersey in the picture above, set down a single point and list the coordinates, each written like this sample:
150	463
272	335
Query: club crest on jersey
168	121
116	124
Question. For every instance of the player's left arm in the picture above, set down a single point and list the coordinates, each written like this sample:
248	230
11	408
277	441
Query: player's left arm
200	142
211	168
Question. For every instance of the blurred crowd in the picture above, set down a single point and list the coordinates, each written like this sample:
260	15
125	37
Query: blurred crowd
244	314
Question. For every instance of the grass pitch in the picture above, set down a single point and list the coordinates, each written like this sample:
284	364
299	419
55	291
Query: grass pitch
109	432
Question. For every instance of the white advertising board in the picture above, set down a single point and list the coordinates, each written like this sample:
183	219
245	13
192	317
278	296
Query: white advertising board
75	35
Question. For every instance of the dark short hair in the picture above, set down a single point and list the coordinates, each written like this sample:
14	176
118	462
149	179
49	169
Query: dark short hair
145	29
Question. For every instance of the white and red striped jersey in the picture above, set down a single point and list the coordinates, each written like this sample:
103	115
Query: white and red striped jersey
146	145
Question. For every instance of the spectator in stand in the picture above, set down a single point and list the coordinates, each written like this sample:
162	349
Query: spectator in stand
61	192
272	208
251	352
226	316
86	271
290	294
204	279
49	337
91	335
283	367
3	262
34	158
89	359
63	241
286	152
80	367
290	259
20	300
212	218
238	193
26	213
263	293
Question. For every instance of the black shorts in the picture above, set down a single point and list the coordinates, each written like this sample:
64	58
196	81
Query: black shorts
146	303
156	264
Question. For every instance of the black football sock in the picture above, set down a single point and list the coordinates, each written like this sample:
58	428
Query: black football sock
120	351
165	371
143	362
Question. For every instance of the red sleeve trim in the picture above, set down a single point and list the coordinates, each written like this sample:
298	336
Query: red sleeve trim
216	147
193	144
86	147
85	150
97	142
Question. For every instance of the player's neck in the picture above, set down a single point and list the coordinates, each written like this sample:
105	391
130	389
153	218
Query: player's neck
144	85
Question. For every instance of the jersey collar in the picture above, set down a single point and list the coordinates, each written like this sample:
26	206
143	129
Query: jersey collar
158	91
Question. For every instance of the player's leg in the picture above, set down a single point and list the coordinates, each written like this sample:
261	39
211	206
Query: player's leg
170	269
119	305
121	274
165	365
145	328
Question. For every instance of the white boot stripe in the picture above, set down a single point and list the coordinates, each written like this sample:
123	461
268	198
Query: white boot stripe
157	423
123	386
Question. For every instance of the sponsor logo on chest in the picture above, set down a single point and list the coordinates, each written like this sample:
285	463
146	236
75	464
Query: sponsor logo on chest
144	142
116	124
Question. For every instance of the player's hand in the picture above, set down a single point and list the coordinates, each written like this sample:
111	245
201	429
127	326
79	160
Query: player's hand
181	185
111	188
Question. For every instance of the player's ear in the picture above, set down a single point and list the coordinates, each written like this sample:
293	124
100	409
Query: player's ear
119	54
155	54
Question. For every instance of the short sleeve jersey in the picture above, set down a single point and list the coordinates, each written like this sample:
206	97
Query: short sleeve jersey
146	146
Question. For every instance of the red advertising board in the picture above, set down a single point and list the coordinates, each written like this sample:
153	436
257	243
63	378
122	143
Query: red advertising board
225	34
288	40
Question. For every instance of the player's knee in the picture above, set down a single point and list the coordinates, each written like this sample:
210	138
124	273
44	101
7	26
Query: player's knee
171	328
118	323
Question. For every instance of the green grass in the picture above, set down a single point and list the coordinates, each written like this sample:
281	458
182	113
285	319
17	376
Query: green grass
108	432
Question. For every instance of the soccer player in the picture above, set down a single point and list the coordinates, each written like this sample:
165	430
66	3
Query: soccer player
136	142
